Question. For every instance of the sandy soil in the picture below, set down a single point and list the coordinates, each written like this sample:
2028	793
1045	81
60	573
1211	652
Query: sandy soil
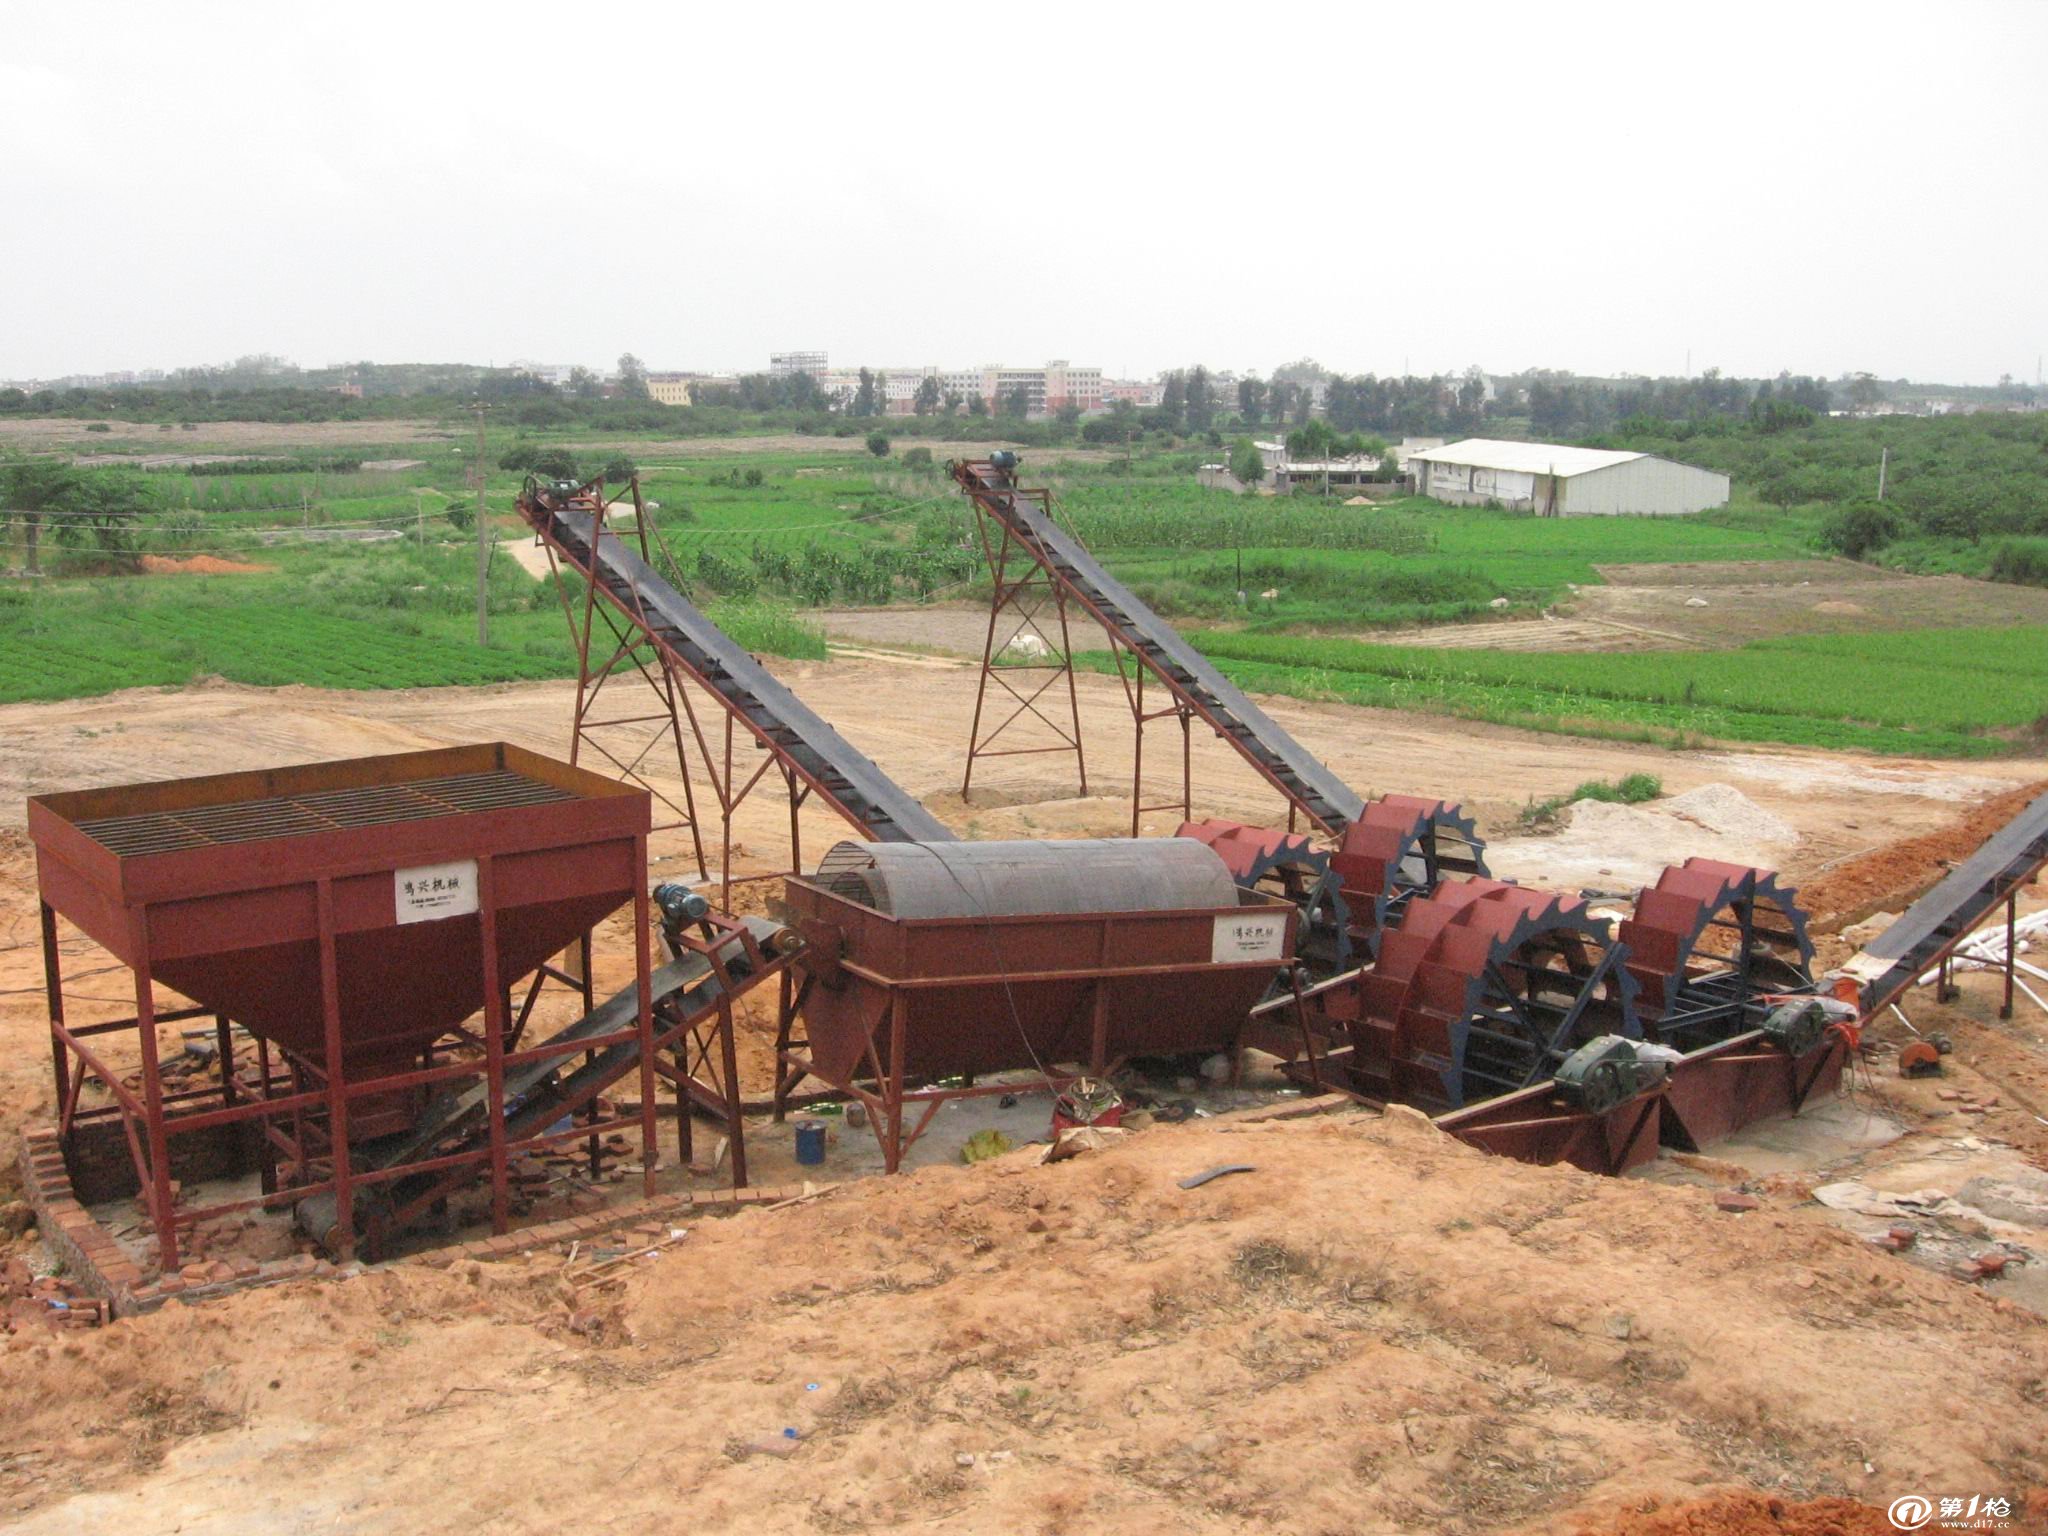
1378	1330
1753	600
1082	1347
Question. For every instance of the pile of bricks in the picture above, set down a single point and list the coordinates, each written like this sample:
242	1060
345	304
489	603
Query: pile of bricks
35	1302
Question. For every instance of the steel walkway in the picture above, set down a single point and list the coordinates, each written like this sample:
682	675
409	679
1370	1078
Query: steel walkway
1285	763
837	771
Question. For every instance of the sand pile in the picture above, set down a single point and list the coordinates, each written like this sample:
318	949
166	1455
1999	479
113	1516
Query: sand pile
1377	1330
1613	847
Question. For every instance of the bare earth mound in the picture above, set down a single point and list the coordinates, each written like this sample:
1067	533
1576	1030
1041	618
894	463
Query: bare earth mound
1377	1330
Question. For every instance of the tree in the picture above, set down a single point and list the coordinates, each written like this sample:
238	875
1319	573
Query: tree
1251	399
1016	402
878	445
1201	400
100	508
29	490
632	377
976	406
1864	390
867	399
1247	463
620	469
926	400
954	400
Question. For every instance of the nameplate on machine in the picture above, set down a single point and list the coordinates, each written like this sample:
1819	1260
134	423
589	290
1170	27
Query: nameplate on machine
1249	936
434	891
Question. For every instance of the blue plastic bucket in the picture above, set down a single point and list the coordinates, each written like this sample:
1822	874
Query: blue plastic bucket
810	1142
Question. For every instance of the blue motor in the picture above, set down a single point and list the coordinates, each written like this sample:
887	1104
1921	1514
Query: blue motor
679	904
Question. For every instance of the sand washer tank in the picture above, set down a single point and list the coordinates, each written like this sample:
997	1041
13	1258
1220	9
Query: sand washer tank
938	961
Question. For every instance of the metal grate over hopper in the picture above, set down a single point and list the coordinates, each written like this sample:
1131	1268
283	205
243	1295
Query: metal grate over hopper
162	831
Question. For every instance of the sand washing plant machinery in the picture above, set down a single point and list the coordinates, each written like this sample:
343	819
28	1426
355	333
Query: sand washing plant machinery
383	929
369	938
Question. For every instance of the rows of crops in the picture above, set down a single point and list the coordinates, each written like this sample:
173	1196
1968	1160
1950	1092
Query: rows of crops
1818	690
1114	517
61	645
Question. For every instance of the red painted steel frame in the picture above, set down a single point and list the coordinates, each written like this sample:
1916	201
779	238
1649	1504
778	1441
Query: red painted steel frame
198	908
1133	667
1023	597
670	683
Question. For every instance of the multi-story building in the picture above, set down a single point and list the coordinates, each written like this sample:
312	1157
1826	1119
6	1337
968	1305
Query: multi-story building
1047	390
782	364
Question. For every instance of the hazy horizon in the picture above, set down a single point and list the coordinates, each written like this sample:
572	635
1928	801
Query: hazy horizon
1822	189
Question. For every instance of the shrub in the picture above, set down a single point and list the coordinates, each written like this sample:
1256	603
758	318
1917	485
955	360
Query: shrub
916	458
2024	562
1858	528
878	445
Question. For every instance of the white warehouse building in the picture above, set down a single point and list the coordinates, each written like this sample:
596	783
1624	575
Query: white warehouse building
1553	480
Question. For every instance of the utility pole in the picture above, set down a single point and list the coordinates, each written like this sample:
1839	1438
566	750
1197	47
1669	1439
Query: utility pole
1884	459
483	535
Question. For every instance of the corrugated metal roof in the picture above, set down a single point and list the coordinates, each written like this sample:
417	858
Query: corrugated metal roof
1526	458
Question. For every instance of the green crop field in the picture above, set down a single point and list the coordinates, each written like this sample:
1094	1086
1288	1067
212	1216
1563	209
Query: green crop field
1960	692
375	616
368	581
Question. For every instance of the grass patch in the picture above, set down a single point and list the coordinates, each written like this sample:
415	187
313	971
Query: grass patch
1630	789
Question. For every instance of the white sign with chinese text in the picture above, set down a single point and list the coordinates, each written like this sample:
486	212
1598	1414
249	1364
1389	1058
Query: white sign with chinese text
434	891
1249	936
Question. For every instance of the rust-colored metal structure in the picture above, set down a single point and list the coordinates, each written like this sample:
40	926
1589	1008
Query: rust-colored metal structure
352	917
1485	988
1147	650
1401	846
1706	944
1133	949
1026	607
628	621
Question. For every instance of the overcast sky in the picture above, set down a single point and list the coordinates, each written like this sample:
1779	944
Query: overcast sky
1817	187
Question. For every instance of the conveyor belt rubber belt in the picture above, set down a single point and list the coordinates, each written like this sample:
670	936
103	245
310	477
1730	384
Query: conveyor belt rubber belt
824	759
450	1113
1291	767
1935	923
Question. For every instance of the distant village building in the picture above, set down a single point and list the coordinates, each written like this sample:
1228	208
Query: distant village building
1145	394
674	388
1554	480
1284	474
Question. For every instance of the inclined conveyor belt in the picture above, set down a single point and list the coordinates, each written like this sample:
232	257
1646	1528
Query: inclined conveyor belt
1950	912
820	756
1291	767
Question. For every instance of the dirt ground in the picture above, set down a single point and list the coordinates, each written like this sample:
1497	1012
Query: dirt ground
1643	607
1755	600
1080	1347
39	433
1378	1330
